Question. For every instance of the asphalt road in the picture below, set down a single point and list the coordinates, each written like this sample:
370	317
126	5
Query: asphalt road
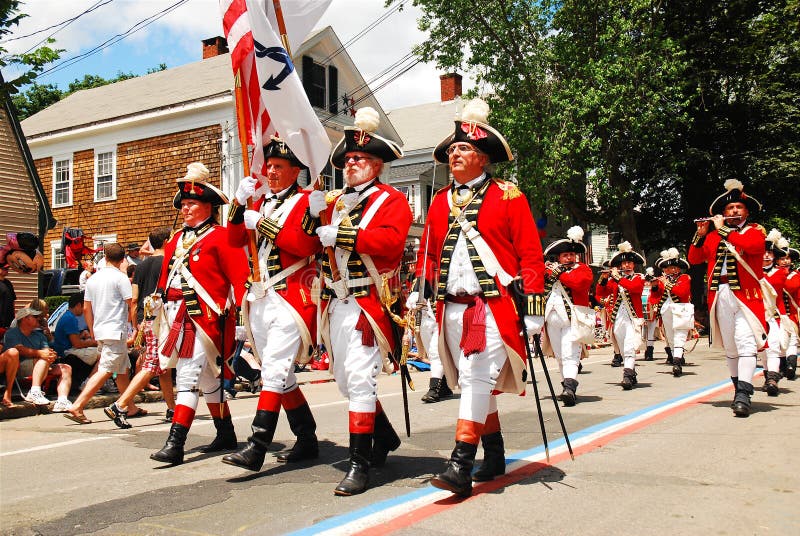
667	457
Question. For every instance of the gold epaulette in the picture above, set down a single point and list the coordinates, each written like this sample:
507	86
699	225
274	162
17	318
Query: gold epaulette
760	228
510	190
331	196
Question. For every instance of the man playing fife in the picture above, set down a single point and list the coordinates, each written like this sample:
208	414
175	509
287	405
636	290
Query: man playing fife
369	222
673	291
280	314
734	251
481	234
200	267
567	284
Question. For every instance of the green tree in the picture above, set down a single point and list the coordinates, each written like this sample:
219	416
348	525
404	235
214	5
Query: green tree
32	63
36	97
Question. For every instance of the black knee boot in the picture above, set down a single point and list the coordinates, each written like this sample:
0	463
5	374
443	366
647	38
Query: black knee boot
456	477
225	438
386	440
648	353
252	455
172	451
304	427
568	396
357	477
741	400
494	458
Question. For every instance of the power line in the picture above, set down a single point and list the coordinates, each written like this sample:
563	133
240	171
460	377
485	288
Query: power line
63	23
364	31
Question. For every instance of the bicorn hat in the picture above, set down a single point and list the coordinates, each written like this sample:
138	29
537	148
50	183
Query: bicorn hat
625	253
472	127
195	185
277	148
361	137
671	257
776	244
571	243
734	193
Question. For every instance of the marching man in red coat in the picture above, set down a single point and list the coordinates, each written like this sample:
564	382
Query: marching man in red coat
791	299
777	322
602	293
193	292
674	306
365	232
625	288
567	285
281	318
734	251
481	235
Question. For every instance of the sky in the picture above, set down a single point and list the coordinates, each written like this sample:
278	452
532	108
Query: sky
175	39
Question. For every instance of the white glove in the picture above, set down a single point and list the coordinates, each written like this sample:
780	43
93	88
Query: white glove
153	303
246	190
327	234
534	324
251	218
316	203
241	333
411	301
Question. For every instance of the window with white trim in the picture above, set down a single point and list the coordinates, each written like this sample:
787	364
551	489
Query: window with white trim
57	259
105	174
62	181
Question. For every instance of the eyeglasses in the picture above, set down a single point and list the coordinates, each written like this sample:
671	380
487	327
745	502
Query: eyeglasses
356	158
461	148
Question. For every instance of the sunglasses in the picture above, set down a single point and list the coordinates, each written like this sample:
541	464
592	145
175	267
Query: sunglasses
357	159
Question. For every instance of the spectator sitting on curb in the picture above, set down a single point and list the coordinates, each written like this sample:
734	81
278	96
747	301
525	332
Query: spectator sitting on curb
107	308
9	363
37	359
75	347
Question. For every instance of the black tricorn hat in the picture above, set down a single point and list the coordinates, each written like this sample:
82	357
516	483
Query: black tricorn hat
195	186
571	243
625	253
277	148
734	193
794	254
671	257
775	243
361	137
473	128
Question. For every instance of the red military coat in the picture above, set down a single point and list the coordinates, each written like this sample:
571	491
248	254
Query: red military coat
384	240
653	298
792	288
680	290
749	243
633	286
506	224
217	266
777	278
293	244
578	280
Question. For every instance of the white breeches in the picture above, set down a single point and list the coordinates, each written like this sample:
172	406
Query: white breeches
771	356
429	333
737	336
652	325
792	348
355	366
627	337
566	349
477	373
676	338
277	340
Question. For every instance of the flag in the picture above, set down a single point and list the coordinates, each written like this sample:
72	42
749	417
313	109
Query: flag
274	98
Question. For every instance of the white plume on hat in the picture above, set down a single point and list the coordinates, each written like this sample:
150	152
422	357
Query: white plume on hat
575	233
625	247
671	253
650	271
367	119
773	236
783	243
733	184
476	111
196	171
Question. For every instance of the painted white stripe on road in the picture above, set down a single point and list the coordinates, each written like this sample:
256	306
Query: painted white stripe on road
54	445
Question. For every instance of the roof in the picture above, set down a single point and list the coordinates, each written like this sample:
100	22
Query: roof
162	89
423	126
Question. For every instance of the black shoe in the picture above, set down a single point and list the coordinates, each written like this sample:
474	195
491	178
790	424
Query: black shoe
741	400
357	477
437	391
648	353
170	413
617	360
771	384
456	477
119	417
568	396
494	458
172	451
386	440
668	351
628	379
225	438
580	367
791	367
304	427
250	457
677	370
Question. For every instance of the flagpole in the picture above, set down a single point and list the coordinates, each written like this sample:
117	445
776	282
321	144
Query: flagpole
282	26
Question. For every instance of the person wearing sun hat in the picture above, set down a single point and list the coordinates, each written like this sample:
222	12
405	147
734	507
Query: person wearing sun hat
567	284
626	288
774	355
200	270
674	306
791	299
366	226
281	316
480	236
734	251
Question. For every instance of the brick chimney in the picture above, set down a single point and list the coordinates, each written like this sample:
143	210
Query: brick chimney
451	86
214	46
